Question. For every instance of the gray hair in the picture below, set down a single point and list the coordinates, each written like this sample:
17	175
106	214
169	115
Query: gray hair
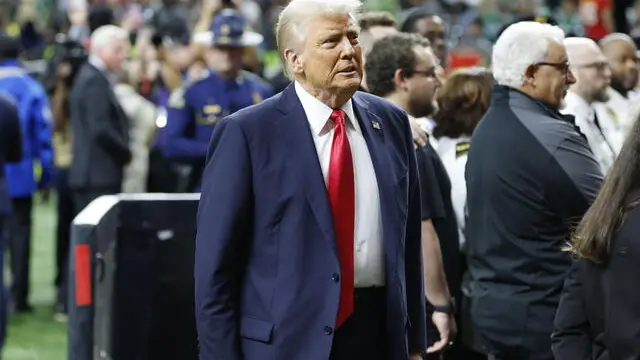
105	34
292	23
520	46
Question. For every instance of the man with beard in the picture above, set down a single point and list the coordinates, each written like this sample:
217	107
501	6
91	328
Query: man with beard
402	68
620	51
592	73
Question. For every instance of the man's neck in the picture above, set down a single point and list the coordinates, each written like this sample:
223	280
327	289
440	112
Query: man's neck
399	101
334	100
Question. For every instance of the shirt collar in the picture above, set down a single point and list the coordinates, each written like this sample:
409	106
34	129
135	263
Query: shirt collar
318	113
576	105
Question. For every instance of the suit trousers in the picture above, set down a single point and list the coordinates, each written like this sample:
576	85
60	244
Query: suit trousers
364	334
66	213
19	240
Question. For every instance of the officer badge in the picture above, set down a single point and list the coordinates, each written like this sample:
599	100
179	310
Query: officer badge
257	98
210	115
462	148
176	100
225	29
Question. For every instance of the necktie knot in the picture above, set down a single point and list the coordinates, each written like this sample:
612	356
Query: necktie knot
338	117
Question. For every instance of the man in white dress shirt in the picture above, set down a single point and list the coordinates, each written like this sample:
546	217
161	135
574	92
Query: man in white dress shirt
593	76
620	51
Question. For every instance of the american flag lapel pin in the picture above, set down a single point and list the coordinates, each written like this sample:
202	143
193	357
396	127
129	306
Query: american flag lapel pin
376	125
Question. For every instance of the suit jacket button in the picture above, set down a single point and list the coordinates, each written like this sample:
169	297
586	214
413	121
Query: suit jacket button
335	278
328	330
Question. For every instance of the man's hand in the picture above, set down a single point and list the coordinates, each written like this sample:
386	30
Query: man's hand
415	357
420	137
446	326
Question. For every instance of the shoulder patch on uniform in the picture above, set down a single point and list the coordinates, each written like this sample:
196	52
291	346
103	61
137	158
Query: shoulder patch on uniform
462	148
176	100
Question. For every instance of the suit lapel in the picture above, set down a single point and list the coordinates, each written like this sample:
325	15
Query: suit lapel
300	148
373	131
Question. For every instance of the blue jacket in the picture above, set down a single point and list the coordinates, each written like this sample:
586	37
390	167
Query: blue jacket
35	123
194	109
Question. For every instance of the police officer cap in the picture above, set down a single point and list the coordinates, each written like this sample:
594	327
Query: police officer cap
9	46
415	14
230	29
539	18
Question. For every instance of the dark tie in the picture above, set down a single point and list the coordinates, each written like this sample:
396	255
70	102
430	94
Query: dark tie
596	121
341	189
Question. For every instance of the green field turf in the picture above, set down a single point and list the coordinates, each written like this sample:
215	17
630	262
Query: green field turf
37	336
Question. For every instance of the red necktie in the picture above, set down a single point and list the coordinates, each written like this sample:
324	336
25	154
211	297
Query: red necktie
341	190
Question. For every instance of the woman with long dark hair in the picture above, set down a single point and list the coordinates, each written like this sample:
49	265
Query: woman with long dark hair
599	312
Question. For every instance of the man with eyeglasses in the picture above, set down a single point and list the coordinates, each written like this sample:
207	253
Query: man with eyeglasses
593	76
529	174
402	69
620	52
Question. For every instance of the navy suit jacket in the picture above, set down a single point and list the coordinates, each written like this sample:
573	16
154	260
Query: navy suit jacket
265	249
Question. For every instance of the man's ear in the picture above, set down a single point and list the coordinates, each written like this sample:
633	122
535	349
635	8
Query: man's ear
399	79
294	60
530	75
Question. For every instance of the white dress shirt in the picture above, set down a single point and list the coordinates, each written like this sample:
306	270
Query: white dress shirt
604	144
453	153
368	246
617	112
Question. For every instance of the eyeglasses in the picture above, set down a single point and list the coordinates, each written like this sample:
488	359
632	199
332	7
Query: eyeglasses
429	73
562	67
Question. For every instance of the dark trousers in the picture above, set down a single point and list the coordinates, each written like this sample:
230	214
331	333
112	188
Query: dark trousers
364	334
66	213
19	241
4	308
83	197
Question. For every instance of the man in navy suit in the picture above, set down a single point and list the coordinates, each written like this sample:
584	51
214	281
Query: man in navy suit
308	244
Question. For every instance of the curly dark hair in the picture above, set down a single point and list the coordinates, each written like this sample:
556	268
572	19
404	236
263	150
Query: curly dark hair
462	101
389	54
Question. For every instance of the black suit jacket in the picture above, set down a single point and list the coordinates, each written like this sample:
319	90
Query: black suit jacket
100	132
599	312
10	146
